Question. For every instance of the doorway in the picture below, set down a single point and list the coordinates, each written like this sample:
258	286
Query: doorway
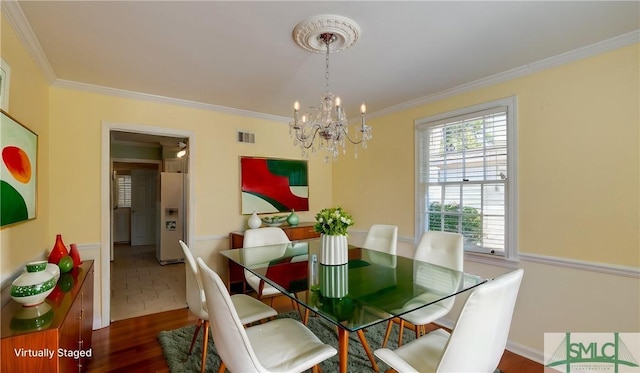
131	236
134	201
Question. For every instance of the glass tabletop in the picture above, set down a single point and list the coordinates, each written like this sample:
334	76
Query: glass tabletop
372	287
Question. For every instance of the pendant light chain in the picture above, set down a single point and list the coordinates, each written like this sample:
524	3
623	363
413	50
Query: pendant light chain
326	67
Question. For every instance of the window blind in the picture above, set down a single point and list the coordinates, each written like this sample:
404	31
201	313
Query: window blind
463	176
124	190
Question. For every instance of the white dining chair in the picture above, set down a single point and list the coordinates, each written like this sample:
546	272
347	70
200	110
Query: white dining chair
248	308
281	345
262	237
382	238
477	341
445	249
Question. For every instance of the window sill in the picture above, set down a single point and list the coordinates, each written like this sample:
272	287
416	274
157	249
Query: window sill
490	259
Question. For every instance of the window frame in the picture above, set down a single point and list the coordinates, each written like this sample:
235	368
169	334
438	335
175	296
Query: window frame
511	184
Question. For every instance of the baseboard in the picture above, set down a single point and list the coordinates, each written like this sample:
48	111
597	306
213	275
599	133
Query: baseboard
524	351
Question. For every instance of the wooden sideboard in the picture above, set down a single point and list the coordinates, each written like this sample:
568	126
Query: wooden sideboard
235	279
62	331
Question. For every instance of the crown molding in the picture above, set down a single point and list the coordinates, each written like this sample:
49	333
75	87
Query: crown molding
18	21
123	93
561	59
21	26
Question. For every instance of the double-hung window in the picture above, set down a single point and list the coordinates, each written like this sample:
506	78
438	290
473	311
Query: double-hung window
466	178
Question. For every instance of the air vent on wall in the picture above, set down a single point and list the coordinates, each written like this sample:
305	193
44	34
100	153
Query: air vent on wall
247	137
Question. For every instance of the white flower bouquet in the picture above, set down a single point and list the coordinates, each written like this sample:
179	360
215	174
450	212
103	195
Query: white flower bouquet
333	221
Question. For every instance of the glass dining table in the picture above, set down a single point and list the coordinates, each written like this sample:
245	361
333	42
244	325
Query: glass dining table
371	288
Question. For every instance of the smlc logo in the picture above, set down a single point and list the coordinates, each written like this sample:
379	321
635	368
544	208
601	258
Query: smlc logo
592	352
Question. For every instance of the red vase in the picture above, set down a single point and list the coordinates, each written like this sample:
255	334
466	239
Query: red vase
59	250
75	255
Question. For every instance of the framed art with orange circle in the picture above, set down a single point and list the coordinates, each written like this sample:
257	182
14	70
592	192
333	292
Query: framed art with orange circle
18	170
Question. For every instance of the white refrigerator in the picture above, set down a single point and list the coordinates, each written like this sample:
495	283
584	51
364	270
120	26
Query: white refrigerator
172	218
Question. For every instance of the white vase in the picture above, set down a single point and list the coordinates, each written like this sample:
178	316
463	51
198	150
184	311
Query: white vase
254	221
34	285
333	249
334	280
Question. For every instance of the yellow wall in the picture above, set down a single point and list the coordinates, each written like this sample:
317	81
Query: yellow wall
29	104
69	124
578	168
76	130
578	161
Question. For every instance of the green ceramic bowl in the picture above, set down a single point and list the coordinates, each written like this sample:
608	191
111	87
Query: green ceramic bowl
31	288
36	266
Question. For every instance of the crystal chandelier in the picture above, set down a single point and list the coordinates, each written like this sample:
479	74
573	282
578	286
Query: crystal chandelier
326	126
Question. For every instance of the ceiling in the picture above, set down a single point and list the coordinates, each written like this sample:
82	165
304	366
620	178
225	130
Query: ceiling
241	54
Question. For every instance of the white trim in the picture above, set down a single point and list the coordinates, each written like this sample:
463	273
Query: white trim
164	100
88	246
405	239
609	269
5	86
105	202
22	28
604	46
500	261
527	352
494	260
511	197
518	72
135	160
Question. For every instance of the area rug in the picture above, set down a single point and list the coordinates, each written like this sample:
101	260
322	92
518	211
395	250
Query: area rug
175	345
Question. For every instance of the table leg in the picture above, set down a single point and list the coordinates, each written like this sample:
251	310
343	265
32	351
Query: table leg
343	348
367	349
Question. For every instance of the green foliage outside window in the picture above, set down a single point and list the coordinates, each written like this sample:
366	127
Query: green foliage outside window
466	220
466	136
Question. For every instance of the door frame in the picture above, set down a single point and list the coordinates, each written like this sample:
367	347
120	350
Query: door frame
106	211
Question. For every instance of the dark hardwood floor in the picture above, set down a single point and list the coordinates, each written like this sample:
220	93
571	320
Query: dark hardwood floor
131	345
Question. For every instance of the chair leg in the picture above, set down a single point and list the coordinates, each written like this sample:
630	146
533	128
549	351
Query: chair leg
316	369
400	332
387	333
205	341
195	336
305	318
365	344
296	306
222	368
418	329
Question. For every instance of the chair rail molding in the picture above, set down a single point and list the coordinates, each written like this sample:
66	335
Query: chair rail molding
610	269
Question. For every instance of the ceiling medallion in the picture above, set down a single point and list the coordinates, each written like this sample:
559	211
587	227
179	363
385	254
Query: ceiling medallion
307	33
326	126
